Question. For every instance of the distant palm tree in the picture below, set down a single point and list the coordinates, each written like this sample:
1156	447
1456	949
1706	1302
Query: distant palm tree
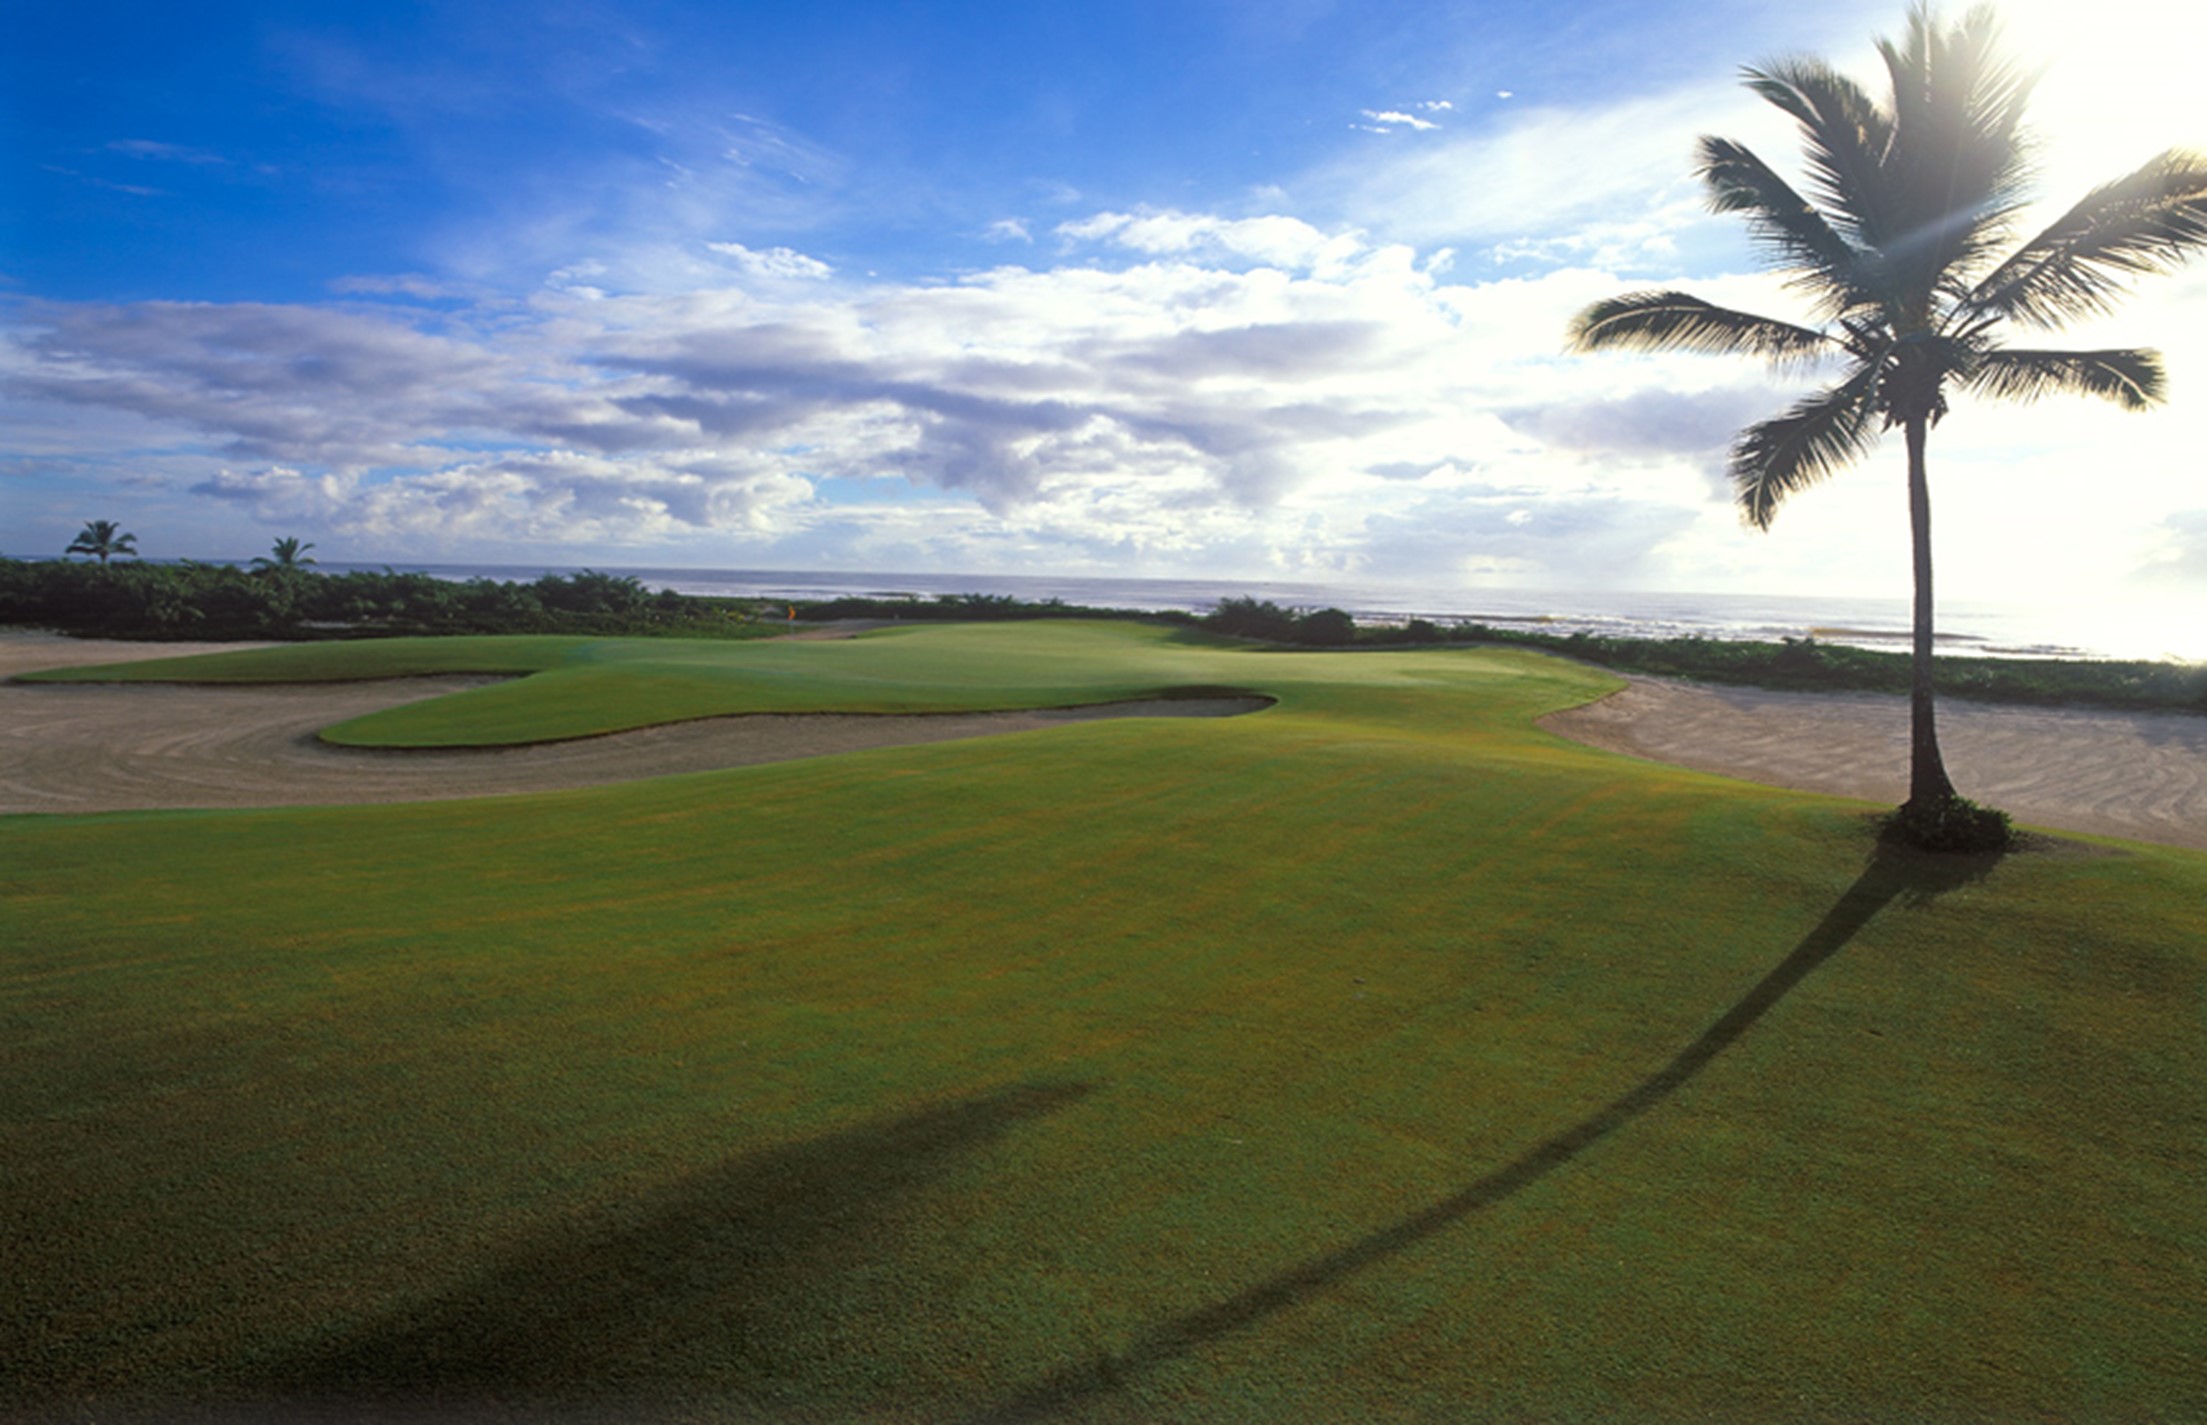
1898	257
103	538
288	553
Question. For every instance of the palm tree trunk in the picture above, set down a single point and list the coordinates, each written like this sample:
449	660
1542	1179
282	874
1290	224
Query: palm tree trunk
1927	779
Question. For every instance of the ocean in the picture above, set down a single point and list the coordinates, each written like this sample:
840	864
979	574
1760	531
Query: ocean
2142	629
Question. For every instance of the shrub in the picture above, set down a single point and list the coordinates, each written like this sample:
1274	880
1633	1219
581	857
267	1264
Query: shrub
1799	655
1261	618
591	592
1953	825
1254	618
963	608
1327	628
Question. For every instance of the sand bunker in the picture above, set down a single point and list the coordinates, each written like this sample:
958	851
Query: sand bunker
2140	775
115	747
122	747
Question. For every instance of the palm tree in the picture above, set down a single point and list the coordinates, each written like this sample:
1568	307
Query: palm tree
103	538
1896	248
288	553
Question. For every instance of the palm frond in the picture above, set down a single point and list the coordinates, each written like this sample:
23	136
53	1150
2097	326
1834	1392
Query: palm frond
1777	457
1740	182
1675	321
1844	138
1961	71
1959	166
2147	221
2132	379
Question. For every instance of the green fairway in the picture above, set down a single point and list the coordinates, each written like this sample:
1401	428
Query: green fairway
1373	1056
583	687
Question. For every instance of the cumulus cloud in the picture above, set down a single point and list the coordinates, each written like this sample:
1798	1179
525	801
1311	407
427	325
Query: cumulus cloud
1644	241
775	262
286	383
1653	421
647	212
1167	405
540	497
1020	387
1414	117
1272	239
1387	121
1181	393
282	495
1505	537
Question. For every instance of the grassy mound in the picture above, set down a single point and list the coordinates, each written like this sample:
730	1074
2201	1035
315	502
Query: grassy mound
1373	1056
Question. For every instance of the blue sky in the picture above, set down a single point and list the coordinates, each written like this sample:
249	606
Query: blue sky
1204	287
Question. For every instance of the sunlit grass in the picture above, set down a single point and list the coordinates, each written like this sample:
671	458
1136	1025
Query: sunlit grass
1372	1055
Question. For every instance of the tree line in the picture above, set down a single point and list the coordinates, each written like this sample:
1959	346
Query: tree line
279	597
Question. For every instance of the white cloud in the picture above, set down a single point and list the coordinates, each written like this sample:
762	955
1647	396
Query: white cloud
1159	408
1387	121
1281	241
1536	173
1607	184
403	284
543	498
289	383
648	215
1254	395
777	263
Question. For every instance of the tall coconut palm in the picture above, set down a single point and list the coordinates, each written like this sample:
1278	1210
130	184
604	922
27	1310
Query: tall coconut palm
1897	249
103	539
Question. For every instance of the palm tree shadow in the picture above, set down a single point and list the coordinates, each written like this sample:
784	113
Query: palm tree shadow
1894	873
703	1283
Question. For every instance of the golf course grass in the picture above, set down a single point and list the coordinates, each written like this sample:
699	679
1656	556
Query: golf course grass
1373	1056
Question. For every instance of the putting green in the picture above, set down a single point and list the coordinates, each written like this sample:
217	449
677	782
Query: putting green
1376	1055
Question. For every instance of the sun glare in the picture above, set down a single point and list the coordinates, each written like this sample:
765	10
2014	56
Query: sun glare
2117	85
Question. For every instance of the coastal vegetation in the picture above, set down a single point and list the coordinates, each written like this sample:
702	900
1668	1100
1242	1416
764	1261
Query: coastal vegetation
966	608
217	602
1810	664
1897	249
1806	664
281	597
1374	1056
286	553
103	540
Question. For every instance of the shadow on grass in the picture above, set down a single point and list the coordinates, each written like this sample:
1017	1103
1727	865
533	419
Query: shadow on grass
732	1281
1894	873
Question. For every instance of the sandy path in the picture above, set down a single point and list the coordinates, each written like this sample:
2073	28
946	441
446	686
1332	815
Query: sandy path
118	747
2140	775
